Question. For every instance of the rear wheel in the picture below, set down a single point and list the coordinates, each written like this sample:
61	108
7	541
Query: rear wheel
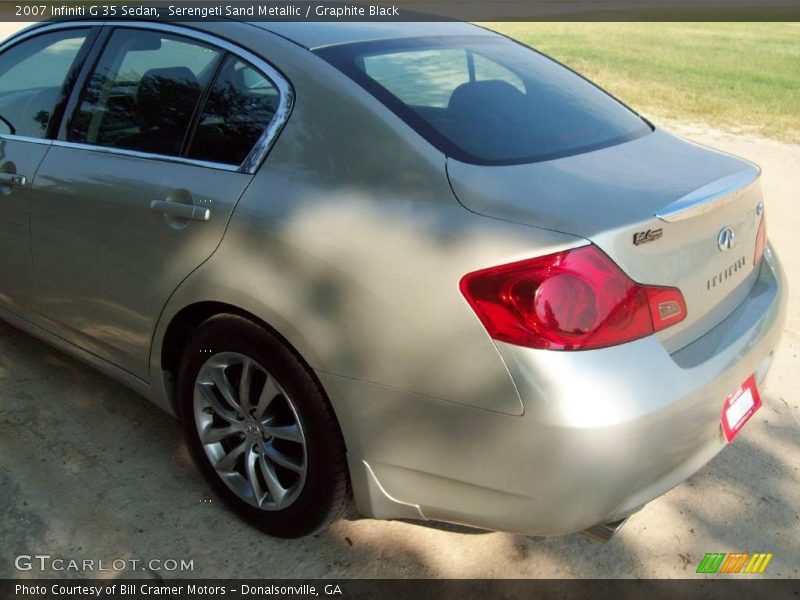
260	429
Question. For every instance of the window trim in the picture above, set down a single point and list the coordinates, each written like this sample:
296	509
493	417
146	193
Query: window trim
258	152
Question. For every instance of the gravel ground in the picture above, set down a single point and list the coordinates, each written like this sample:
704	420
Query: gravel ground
88	469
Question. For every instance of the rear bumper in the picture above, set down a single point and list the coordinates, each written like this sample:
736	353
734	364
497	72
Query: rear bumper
603	431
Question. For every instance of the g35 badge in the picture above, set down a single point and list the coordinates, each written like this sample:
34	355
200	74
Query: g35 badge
643	237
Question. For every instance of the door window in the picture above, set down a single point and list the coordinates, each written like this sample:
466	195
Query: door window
32	78
144	92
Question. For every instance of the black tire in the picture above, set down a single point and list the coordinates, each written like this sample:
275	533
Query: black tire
325	495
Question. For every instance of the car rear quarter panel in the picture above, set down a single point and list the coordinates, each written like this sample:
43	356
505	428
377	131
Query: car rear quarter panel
604	431
350	243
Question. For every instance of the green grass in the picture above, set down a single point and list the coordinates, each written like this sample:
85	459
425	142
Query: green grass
743	77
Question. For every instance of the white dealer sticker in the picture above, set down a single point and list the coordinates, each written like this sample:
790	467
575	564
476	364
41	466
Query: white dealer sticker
739	407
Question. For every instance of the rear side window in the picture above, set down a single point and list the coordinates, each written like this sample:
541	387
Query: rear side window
171	95
240	106
488	100
32	78
144	92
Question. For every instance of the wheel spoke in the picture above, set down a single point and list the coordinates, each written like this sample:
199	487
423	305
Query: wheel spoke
211	435
279	458
269	392
225	387
250	468
228	462
285	432
244	386
223	411
276	491
245	422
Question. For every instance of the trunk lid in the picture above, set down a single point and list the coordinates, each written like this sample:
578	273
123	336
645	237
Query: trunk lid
657	206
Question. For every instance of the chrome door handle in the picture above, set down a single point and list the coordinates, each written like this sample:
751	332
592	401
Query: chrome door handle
13	179
181	211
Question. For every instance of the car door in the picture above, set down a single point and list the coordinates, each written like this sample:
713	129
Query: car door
159	144
35	71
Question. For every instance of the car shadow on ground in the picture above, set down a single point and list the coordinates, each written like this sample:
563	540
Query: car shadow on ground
90	469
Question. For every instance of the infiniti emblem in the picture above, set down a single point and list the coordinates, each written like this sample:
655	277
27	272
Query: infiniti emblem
725	239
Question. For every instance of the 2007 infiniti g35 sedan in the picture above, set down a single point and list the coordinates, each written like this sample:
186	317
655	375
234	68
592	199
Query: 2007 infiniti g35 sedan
419	269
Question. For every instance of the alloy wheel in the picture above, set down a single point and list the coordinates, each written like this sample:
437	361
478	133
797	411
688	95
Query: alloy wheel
250	430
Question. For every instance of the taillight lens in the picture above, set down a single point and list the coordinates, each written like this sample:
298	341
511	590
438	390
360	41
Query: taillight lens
573	300
667	306
761	239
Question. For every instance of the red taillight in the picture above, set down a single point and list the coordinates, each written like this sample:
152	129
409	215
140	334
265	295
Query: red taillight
667	306
573	300
761	239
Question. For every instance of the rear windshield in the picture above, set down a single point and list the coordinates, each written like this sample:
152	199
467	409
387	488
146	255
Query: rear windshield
486	99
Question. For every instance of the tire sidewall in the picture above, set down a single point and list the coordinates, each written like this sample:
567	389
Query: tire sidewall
310	509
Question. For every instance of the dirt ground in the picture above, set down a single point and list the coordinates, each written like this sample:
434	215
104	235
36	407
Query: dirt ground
88	469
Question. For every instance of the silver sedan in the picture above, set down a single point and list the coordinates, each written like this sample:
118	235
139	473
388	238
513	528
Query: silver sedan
419	270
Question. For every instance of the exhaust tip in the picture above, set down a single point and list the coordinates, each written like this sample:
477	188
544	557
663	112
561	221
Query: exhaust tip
604	531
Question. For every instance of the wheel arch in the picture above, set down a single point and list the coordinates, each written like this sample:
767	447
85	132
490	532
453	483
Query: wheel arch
174	331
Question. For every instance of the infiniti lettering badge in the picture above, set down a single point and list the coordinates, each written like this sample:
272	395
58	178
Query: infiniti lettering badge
725	239
726	273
